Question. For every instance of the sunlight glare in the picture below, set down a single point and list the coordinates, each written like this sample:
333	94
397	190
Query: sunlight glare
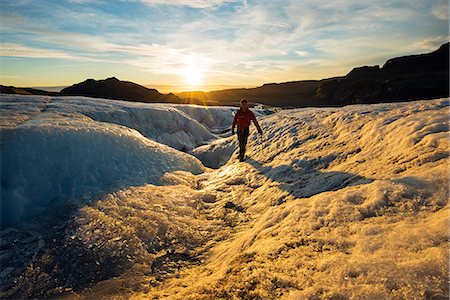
193	76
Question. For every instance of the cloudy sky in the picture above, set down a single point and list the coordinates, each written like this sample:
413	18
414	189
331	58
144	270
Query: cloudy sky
192	43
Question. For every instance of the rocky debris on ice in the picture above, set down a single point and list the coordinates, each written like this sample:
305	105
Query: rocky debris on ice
18	249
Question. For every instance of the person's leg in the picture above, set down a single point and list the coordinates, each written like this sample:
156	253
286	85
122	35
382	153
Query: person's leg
240	135
245	134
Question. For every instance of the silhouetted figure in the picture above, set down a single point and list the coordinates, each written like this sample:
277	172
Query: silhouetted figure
242	119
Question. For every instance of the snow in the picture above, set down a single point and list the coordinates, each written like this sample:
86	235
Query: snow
216	118
347	203
340	202
217	153
162	123
55	154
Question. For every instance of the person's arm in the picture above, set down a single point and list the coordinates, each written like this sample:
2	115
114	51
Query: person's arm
234	123
252	116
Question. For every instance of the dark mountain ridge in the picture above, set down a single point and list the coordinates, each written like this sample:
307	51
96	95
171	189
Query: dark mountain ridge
421	76
113	88
25	91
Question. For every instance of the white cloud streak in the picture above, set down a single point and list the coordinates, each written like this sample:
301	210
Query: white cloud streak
191	3
17	50
432	43
440	9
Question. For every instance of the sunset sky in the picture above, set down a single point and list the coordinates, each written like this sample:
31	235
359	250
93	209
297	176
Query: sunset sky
194	44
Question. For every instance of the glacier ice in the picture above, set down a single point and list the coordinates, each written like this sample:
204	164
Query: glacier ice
51	155
345	202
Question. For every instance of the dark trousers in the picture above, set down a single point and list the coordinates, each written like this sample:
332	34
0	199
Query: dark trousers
242	137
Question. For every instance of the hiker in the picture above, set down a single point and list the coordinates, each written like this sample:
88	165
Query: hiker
242	119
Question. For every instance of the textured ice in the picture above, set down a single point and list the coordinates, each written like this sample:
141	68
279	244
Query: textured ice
52	153
344	203
332	203
159	122
217	153
216	118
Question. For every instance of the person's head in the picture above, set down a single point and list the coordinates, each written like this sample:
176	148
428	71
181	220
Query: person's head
244	104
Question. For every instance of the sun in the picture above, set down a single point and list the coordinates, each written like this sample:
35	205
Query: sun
192	76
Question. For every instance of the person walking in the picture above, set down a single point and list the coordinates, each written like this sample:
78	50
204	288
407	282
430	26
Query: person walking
242	120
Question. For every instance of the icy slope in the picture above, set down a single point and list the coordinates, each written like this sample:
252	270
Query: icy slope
343	203
216	118
165	123
52	155
159	122
335	203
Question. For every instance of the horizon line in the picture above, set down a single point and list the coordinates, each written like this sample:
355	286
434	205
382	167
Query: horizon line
162	88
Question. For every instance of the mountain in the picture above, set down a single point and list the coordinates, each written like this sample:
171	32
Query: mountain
25	91
113	88
423	76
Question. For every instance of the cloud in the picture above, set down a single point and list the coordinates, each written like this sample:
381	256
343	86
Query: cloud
190	3
13	23
301	53
17	50
82	1
440	9
432	43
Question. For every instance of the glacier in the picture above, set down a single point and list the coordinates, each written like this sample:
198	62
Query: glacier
347	202
59	149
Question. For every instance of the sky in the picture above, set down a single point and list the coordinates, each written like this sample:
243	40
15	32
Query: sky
207	44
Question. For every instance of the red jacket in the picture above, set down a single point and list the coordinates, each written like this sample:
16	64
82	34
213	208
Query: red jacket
242	119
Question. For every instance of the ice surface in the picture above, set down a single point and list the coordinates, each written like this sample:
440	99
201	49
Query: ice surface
216	118
217	153
335	203
53	155
159	122
343	203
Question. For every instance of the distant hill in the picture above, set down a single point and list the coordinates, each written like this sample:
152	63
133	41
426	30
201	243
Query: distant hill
25	91
274	94
113	88
423	76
